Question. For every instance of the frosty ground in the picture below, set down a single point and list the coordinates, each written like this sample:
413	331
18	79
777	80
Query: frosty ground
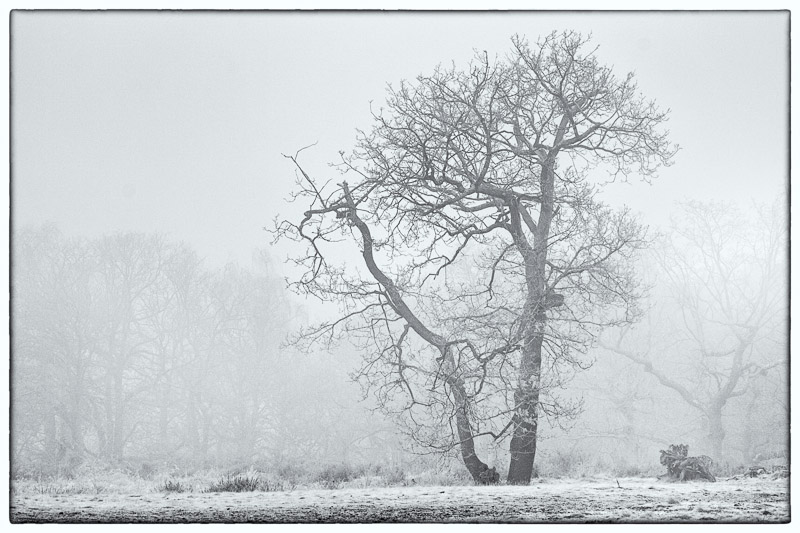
764	499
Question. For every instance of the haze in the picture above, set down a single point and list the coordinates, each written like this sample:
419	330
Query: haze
201	304
176	122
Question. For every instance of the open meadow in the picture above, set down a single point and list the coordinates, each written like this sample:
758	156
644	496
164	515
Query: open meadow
763	499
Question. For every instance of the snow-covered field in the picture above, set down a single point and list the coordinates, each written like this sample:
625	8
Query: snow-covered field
762	499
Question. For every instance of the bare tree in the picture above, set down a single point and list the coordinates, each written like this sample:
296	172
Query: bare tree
109	336
52	342
129	278
127	350
172	314
253	314
721	320
487	170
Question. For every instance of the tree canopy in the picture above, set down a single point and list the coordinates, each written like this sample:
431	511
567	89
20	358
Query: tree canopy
490	263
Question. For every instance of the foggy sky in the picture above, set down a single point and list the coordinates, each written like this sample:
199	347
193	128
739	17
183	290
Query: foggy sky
175	122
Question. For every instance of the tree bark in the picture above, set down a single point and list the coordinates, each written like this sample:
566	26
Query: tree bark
526	418
526	396
477	468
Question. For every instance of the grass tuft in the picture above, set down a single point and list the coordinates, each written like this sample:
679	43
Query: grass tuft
236	483
171	485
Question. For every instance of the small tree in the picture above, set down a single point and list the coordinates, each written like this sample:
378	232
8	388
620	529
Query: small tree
486	171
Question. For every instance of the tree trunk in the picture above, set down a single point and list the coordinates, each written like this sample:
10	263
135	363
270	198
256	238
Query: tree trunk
205	434
196	436
117	437
76	413
50	438
165	394
479	470
526	396
526	417
716	433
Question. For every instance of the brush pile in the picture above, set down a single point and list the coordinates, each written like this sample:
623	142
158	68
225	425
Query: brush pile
681	467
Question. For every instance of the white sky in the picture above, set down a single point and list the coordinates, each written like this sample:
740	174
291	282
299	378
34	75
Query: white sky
175	122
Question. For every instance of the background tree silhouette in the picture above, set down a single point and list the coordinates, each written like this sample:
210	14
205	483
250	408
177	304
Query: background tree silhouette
718	325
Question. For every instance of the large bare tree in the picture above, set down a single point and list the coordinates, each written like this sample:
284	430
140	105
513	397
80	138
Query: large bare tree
488	264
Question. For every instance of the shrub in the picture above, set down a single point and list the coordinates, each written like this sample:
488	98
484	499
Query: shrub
728	468
394	476
173	486
292	472
277	485
562	463
236	483
334	475
146	470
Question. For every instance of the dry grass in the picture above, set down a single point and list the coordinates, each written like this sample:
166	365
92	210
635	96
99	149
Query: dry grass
102	479
585	500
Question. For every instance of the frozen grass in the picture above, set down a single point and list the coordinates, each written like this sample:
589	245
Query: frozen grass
554	500
174	486
238	483
164	476
188	480
112	482
574	464
570	488
98	479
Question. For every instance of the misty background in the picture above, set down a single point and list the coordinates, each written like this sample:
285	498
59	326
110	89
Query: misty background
150	314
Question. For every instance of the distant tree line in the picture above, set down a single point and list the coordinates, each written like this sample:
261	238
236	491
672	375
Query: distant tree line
128	346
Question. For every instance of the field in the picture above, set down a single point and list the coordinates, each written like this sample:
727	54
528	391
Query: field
754	500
